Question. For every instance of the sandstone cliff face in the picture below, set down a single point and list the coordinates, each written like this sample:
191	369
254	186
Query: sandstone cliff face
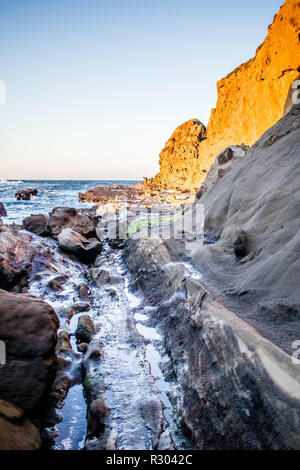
250	100
179	166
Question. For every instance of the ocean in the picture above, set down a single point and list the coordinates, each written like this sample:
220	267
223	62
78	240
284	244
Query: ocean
51	193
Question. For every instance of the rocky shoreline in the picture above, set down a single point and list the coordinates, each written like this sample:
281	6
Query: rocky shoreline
218	362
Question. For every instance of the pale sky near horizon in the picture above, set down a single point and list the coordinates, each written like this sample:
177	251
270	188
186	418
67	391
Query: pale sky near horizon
95	88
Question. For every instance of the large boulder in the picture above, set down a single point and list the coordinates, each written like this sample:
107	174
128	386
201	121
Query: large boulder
74	243
37	224
2	210
68	217
26	194
28	328
16	431
16	254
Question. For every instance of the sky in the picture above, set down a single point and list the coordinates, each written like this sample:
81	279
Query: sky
94	88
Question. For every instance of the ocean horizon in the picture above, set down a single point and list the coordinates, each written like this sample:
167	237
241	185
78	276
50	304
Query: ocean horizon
51	193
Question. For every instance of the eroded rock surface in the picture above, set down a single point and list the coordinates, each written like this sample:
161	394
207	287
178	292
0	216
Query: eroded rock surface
74	243
240	115
28	327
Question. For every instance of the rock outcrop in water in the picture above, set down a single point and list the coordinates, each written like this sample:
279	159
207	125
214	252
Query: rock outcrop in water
26	194
16	254
230	310
250	100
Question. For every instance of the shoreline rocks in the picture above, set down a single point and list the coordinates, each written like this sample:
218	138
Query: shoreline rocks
86	250
30	349
26	194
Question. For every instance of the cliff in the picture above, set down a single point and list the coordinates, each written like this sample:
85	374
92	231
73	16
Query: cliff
250	100
178	161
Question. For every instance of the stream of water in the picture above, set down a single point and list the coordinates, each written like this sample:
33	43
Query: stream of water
134	359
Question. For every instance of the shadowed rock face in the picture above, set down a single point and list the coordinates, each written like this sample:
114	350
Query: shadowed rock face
26	194
2	210
74	243
231	311
250	100
178	160
28	327
16	431
16	254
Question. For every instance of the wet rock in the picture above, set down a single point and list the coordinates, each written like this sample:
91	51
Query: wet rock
68	373
101	276
85	329
240	244
82	347
37	224
151	411
16	255
3	212
26	194
55	284
75	244
65	217
83	292
16	431
99	415
30	349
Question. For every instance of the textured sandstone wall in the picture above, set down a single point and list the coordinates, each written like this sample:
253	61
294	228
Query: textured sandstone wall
178	160
250	99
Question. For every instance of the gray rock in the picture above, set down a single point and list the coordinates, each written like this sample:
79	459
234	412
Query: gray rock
74	243
2	210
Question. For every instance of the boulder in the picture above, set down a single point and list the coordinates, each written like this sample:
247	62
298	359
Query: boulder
101	276
28	328
37	224
74	243
16	431
67	217
2	210
16	254
26	194
85	329
83	292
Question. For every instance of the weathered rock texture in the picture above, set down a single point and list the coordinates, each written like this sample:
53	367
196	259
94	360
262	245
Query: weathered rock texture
16	431
179	166
16	255
28	327
230	311
250	100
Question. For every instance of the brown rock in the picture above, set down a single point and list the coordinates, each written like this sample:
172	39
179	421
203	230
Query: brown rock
2	210
16	254
26	194
37	224
67	217
85	329
30	349
74	243
16	431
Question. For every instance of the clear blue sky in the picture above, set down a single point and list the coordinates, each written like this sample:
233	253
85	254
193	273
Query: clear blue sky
95	88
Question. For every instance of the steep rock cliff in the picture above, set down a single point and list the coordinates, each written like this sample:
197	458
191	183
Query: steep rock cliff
179	166
250	100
